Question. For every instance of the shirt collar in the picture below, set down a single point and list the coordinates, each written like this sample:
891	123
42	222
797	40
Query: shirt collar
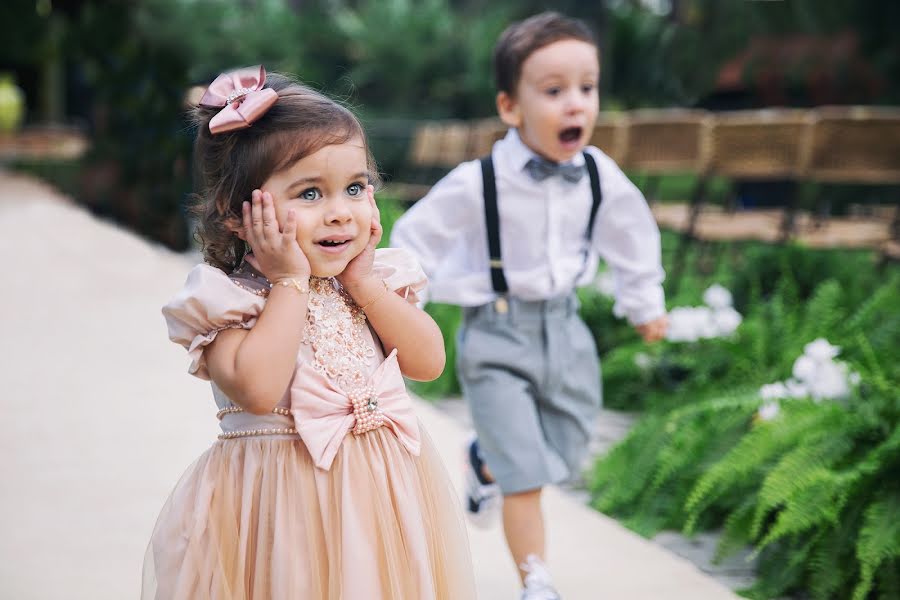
518	154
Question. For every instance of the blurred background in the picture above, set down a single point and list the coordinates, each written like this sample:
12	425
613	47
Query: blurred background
766	136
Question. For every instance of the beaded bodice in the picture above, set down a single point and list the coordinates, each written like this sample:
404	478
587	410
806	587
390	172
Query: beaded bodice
335	329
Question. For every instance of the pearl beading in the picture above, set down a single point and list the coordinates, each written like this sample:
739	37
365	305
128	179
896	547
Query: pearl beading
254	432
241	272
366	410
228	410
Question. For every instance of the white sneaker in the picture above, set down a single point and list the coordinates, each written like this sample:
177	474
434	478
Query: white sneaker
538	583
483	499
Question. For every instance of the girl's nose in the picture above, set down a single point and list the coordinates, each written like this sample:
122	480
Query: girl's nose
338	212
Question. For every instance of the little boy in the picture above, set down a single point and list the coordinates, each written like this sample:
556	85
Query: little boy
509	238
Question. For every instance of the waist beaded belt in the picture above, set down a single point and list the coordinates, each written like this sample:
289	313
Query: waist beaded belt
278	410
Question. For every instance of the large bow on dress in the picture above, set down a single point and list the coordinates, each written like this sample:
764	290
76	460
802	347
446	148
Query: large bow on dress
324	415
241	96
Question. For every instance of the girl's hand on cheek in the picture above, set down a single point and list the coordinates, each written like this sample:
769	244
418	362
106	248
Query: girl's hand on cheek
276	251
360	267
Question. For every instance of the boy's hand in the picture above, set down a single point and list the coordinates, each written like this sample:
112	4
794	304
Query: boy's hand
655	330
277	253
360	268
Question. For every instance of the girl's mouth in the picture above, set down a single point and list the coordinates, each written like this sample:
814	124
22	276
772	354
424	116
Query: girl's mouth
334	245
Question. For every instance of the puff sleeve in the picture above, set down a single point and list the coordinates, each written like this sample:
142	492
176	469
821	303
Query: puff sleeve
209	303
401	272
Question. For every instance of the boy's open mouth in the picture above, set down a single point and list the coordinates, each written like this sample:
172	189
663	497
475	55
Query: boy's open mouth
570	134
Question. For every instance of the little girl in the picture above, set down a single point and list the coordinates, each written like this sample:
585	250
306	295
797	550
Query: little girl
323	484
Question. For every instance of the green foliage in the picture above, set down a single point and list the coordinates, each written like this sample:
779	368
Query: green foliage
814	490
447	317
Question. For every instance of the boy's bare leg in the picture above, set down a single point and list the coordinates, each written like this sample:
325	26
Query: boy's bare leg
523	523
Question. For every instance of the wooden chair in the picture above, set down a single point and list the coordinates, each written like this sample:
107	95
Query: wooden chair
761	145
483	135
748	145
609	134
453	144
854	144
424	160
858	144
425	147
666	141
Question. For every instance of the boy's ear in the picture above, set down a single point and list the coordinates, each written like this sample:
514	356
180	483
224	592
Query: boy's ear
508	109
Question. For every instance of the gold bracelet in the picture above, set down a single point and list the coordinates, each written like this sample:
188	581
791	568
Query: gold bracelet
294	283
376	298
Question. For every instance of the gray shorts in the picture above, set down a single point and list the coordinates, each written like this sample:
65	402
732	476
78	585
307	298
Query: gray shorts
531	377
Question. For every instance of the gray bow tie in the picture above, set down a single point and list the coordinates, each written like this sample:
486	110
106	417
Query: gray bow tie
540	169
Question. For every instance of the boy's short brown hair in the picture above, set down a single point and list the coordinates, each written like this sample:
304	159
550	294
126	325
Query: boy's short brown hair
522	38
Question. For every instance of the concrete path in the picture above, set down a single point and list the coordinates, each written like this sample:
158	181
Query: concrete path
101	418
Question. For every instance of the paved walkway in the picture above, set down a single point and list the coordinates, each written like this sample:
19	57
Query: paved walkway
101	419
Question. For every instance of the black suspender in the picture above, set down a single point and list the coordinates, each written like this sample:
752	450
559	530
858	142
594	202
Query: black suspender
597	195
492	216
492	221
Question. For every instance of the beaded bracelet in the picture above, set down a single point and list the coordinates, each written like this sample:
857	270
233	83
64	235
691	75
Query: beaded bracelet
378	297
294	283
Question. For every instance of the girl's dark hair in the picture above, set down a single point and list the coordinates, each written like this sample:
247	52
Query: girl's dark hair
229	166
522	38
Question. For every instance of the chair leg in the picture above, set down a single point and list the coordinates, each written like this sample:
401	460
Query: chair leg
698	196
889	251
650	186
788	223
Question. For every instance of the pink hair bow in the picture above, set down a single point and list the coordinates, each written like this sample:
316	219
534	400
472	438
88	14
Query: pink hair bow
242	98
324	416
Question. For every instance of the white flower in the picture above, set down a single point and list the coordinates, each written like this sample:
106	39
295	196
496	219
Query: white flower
726	320
682	325
704	322
796	389
717	296
773	391
605	283
830	382
643	361
768	411
718	319
854	378
820	350
805	368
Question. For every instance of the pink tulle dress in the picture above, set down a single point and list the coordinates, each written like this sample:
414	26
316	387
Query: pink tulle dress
337	494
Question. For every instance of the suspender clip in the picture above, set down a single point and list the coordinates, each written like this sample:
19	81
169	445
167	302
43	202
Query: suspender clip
501	305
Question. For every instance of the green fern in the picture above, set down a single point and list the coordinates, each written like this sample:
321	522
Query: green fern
735	531
830	441
753	456
824	312
799	488
818	503
832	553
879	539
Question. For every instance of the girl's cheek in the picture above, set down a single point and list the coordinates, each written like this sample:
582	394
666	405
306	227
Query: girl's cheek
365	236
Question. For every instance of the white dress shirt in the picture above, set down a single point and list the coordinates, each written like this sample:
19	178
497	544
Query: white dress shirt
542	234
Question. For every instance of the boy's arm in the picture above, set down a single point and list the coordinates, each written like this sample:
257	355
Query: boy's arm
627	238
433	225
